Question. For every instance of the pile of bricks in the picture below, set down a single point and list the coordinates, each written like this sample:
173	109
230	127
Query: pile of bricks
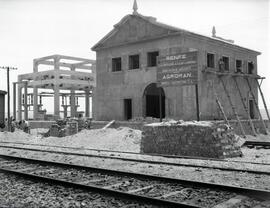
213	140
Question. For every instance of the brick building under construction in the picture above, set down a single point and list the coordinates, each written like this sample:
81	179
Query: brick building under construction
143	63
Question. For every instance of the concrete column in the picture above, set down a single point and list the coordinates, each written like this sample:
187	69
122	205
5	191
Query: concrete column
72	104
87	103
56	102
25	102
56	88
14	100
35	104
19	102
72	99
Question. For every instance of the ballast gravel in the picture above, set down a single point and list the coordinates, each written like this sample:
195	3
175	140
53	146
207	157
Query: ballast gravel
20	193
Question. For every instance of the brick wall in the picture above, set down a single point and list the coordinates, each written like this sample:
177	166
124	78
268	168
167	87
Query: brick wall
214	140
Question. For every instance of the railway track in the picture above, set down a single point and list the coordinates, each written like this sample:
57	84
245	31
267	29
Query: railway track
132	153
256	171
257	144
143	188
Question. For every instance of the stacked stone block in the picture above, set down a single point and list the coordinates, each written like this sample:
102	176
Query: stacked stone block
212	140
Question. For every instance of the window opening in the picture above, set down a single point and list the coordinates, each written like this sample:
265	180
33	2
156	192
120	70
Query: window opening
116	64
152	58
134	62
210	60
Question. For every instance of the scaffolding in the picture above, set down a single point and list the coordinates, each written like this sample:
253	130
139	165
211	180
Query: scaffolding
235	76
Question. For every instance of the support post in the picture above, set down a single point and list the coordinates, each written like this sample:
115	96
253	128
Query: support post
56	102
19	102
245	107
87	103
197	102
233	108
72	104
25	102
257	106
8	93
160	104
264	103
35	103
14	100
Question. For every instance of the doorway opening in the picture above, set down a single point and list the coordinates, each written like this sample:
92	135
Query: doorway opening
127	109
152	101
251	109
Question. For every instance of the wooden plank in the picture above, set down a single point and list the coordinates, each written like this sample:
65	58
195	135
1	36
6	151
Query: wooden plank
264	103
233	107
257	106
109	124
245	107
140	189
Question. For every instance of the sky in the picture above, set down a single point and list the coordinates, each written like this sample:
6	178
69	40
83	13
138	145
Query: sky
35	28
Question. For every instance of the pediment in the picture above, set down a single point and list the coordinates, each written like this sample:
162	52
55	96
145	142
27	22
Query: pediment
134	28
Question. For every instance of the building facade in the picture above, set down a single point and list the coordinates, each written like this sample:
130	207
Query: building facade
127	61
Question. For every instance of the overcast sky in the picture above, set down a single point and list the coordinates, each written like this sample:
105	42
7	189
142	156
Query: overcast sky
34	28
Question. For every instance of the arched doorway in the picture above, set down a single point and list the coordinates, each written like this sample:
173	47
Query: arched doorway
151	101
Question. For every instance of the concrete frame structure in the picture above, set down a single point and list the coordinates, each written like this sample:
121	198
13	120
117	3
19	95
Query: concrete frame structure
63	76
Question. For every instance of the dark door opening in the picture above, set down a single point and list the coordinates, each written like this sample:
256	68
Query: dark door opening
152	100
251	109
127	109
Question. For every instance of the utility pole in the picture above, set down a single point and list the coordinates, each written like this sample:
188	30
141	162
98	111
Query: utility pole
8	68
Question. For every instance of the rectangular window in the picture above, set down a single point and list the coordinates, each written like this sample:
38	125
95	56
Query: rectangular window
134	62
238	65
152	58
226	62
250	67
127	109
210	60
116	64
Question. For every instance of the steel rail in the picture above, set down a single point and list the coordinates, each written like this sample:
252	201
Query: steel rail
258	143
143	161
136	153
257	193
100	190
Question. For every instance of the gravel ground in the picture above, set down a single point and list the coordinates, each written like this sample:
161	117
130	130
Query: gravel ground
198	174
20	193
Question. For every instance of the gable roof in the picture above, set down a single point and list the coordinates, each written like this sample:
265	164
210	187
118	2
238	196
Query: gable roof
170	30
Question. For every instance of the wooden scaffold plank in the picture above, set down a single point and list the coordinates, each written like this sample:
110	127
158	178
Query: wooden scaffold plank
233	108
257	106
245	106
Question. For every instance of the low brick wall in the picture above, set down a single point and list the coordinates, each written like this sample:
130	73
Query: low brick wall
116	124
214	140
34	124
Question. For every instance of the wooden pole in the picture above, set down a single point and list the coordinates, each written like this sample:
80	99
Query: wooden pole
233	107
197	102
257	106
245	107
264	103
160	104
8	99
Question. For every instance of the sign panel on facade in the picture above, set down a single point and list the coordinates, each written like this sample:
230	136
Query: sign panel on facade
178	69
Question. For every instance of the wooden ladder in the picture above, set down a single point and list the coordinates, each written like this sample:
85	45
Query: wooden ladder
232	106
256	104
221	108
245	107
